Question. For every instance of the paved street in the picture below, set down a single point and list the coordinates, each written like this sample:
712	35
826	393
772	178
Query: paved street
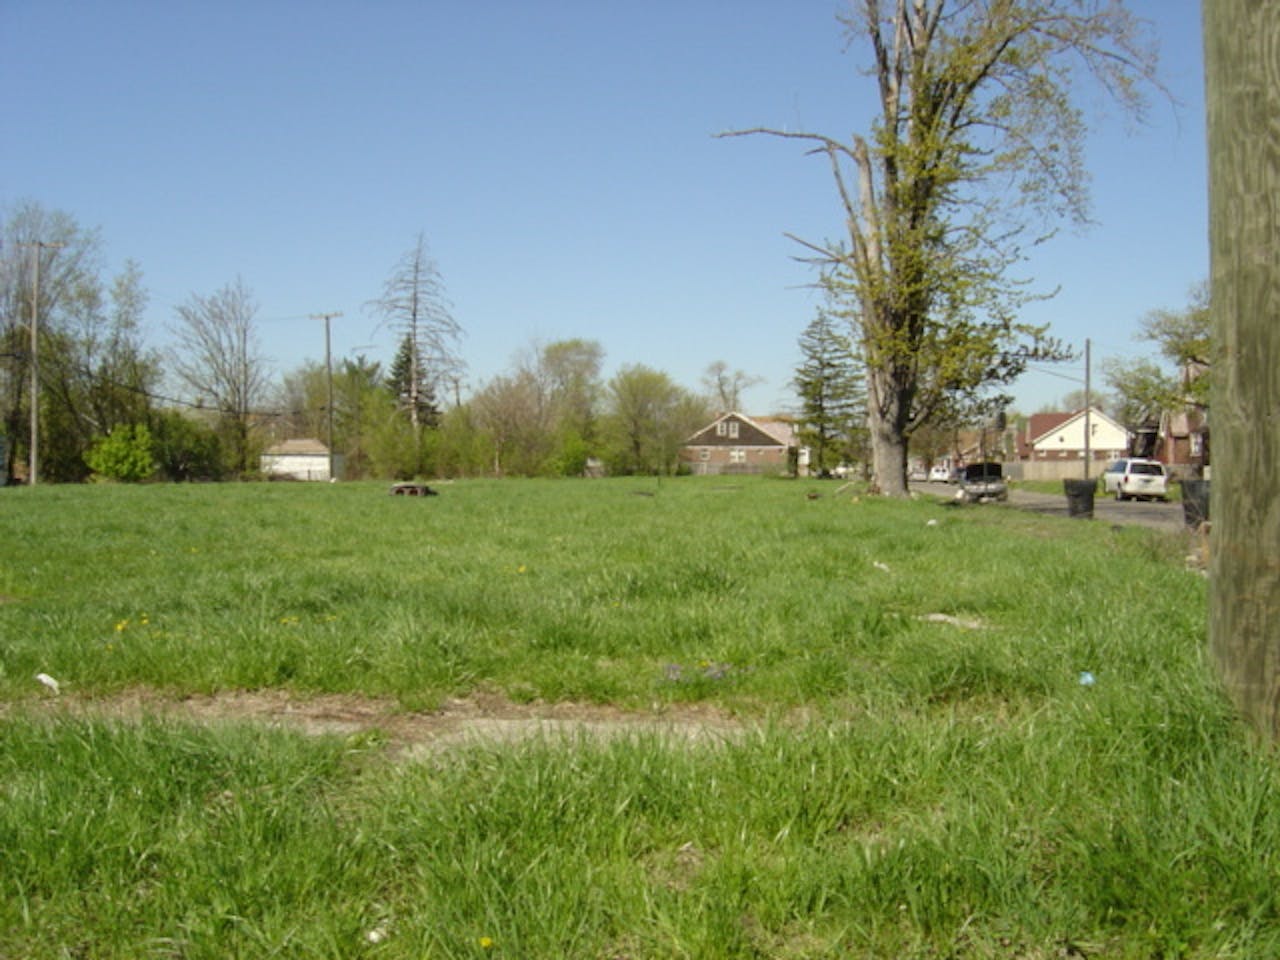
1161	516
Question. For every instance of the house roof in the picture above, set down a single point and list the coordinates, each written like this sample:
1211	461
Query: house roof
1042	425
781	429
304	446
1065	419
1037	425
753	432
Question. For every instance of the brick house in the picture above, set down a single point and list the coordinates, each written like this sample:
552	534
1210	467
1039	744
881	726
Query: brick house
736	443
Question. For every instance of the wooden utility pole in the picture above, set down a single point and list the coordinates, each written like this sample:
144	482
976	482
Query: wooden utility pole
328	366
1243	105
33	466
1088	405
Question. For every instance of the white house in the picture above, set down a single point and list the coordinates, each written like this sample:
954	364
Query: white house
1060	436
304	459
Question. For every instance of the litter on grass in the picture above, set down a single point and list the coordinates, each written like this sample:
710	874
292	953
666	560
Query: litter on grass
960	622
48	681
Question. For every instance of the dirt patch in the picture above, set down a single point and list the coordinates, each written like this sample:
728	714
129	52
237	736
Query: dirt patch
476	720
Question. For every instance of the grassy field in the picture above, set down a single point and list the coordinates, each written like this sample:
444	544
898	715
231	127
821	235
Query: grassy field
943	732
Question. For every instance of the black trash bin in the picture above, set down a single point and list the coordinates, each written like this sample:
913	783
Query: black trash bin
1080	497
1195	502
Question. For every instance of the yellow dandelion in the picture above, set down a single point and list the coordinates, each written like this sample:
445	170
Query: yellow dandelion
521	569
486	943
121	625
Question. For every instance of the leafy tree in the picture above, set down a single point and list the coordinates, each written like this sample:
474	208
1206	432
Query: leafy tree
394	447
359	399
94	373
571	371
67	257
829	383
217	359
649	417
370	431
462	448
541	417
301	400
1180	378
184	448
512	410
124	455
975	141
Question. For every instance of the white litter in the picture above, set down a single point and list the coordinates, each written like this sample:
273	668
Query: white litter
960	622
880	566
931	523
48	681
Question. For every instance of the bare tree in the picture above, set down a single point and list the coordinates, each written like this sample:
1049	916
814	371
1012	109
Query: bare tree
414	304
512	410
725	387
216	358
976	140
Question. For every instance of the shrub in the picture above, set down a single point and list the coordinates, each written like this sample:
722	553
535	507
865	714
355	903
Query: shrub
125	454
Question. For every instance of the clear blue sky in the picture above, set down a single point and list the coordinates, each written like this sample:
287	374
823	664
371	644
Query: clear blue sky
558	155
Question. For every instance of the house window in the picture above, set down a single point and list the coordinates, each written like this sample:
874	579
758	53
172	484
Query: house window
733	428
704	453
737	455
721	429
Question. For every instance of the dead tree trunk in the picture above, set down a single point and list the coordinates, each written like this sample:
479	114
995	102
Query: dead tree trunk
1243	100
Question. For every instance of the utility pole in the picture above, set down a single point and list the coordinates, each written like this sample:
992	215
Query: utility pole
1088	403
328	366
1243	107
34	464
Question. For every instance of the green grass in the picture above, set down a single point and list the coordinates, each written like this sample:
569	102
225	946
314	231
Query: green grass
900	787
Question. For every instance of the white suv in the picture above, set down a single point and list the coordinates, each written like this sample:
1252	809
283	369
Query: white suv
1136	478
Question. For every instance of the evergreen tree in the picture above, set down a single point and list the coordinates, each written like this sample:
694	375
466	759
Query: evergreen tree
420	403
829	383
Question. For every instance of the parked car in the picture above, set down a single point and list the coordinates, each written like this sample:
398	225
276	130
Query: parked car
940	474
982	481
1136	478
